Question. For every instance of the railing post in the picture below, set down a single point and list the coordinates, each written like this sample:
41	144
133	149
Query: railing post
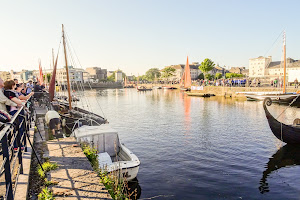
19	144
8	182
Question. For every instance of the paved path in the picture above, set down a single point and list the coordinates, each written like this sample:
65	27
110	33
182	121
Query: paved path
75	176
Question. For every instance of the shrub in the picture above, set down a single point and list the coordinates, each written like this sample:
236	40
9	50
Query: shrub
46	194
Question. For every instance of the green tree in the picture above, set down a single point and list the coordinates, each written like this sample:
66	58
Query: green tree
201	76
167	72
218	75
208	76
111	77
206	65
152	73
233	75
48	77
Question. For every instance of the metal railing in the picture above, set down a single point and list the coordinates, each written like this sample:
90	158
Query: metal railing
13	145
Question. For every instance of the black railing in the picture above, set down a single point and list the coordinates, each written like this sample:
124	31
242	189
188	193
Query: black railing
13	145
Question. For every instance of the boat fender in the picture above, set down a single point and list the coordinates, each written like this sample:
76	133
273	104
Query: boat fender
63	122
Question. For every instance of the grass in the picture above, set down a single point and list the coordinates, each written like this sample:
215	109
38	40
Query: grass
46	194
47	166
112	183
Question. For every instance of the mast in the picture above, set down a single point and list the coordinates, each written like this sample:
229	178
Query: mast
67	69
53	57
284	64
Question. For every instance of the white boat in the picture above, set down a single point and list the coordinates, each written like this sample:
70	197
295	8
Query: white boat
113	156
281	98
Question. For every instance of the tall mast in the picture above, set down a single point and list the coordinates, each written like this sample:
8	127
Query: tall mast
284	64
67	69
53	57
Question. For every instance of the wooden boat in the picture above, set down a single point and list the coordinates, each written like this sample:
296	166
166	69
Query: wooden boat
275	96
156	87
186	80
169	87
143	88
286	156
289	134
113	156
73	116
278	98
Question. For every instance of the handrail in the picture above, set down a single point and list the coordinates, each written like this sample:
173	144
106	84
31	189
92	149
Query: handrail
5	129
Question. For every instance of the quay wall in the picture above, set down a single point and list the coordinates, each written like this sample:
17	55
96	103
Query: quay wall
231	91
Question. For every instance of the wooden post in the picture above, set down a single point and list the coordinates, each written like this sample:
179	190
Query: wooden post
67	69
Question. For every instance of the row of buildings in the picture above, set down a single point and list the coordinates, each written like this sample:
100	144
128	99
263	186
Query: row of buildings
92	74
264	67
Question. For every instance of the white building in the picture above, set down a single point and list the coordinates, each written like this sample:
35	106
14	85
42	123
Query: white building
257	66
75	75
118	76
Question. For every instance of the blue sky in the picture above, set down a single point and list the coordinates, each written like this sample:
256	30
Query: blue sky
135	35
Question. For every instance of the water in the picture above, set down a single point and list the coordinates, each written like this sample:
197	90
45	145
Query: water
202	148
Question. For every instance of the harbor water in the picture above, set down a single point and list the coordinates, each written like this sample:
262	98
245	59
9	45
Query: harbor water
201	148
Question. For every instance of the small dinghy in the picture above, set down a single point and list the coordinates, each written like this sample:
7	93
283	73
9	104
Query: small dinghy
112	155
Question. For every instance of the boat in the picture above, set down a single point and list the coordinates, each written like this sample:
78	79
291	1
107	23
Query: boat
113	156
280	97
289	134
143	88
73	116
186	80
156	87
126	85
169	87
286	156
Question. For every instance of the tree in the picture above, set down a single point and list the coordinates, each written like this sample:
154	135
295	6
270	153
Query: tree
208	76
201	76
111	77
48	77
152	73
167	72
218	75
206	65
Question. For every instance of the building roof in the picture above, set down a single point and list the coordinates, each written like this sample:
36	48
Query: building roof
290	63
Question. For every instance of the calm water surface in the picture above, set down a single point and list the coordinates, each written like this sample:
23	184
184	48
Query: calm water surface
201	148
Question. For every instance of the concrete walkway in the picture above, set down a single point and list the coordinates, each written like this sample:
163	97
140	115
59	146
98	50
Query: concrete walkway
75	177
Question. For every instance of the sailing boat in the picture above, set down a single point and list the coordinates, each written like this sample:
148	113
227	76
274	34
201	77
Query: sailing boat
125	83
74	116
275	96
186	80
289	134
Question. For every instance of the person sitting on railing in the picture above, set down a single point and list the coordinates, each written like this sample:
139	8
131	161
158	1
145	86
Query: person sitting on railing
4	100
10	93
53	119
19	88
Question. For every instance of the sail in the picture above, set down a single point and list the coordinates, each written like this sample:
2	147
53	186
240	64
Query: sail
187	75
52	82
41	79
125	81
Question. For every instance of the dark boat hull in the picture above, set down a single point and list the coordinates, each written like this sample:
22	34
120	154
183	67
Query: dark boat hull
286	133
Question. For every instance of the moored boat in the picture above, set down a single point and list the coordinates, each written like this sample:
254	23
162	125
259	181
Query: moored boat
143	88
186	80
289	134
113	156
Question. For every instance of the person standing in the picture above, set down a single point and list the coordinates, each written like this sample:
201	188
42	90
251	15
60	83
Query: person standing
296	83
29	87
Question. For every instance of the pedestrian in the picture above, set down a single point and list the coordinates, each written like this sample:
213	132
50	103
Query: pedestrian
52	118
296	83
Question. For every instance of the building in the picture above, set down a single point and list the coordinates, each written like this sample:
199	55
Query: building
258	66
97	73
194	69
276	69
237	70
5	75
109	73
118	76
75	75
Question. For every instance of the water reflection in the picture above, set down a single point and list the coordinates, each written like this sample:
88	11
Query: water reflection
133	189
286	156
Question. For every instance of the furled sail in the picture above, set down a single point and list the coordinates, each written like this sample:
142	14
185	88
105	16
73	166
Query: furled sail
52	82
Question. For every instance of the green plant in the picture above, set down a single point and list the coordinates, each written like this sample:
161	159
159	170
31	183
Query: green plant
47	166
46	194
208	76
206	65
218	75
201	76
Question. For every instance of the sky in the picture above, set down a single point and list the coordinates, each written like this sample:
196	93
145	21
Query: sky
136	35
